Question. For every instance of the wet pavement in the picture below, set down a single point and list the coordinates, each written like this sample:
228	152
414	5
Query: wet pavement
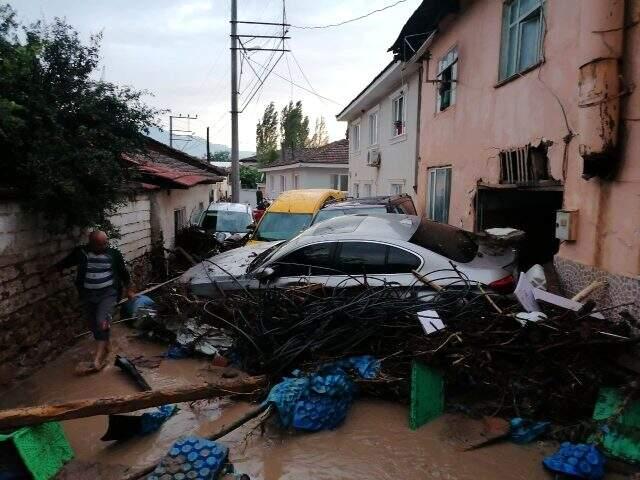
374	442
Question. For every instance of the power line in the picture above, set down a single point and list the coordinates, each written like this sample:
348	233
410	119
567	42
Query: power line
303	74
350	20
295	84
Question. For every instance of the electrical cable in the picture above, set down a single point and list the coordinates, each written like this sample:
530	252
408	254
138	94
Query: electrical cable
312	27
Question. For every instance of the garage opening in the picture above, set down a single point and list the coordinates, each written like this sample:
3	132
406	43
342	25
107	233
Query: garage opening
532	210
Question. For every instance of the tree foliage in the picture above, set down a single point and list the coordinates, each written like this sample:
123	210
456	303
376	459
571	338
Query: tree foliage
294	126
249	176
62	133
221	156
267	136
320	134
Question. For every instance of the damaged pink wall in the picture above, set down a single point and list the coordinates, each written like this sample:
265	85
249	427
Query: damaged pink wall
487	118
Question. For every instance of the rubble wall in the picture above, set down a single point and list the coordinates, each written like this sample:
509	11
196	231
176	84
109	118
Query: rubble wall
41	314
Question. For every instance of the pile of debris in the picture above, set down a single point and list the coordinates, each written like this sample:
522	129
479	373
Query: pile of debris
546	364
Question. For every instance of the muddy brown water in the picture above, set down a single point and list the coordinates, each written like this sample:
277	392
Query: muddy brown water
374	442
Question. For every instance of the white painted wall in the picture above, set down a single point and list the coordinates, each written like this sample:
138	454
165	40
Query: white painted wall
308	177
398	153
165	202
248	196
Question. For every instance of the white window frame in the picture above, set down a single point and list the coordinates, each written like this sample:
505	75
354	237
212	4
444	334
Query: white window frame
396	188
373	128
283	183
354	138
398	130
450	60
512	33
367	190
356	190
432	178
337	180
296	182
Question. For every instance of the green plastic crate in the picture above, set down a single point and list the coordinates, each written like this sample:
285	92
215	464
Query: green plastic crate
622	440
427	395
44	449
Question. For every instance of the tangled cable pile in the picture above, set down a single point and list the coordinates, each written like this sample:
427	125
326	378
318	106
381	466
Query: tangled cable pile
549	369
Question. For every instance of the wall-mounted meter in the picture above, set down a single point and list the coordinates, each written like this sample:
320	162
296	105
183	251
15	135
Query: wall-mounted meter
567	225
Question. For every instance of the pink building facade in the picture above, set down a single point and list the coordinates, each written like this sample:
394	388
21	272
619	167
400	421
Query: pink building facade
529	107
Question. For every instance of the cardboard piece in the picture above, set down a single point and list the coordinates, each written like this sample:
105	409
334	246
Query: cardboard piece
430	321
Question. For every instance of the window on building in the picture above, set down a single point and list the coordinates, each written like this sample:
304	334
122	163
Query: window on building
356	190
179	219
439	193
296	182
396	188
373	128
355	137
270	183
367	190
522	33
340	182
283	183
398	115
447	77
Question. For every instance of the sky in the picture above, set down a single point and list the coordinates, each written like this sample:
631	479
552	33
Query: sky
179	51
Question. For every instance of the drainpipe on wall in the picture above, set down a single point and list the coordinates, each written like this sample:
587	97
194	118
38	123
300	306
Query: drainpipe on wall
599	86
417	159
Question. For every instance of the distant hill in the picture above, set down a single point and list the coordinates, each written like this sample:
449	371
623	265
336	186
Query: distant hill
196	147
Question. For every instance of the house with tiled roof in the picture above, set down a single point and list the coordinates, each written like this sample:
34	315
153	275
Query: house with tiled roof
320	167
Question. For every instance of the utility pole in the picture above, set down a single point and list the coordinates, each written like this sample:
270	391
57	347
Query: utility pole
208	152
172	135
235	40
235	153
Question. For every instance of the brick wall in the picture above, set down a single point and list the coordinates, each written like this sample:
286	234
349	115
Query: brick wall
39	315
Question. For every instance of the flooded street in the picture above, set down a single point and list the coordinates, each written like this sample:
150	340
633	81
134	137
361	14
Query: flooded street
374	442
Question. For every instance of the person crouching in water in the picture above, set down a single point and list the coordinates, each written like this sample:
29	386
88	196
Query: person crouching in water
101	278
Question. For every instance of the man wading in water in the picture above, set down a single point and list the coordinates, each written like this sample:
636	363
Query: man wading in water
100	279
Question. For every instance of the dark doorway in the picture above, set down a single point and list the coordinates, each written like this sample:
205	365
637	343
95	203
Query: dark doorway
530	210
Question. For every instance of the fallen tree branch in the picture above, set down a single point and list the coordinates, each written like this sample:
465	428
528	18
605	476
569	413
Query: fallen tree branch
21	417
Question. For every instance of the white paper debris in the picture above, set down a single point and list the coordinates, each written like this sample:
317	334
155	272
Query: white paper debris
524	294
525	317
430	321
536	276
500	232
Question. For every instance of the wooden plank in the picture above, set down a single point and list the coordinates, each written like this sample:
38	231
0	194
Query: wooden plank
21	417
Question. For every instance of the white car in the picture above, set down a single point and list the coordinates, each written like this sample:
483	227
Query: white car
225	219
382	249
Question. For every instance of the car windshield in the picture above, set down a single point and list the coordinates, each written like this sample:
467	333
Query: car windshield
281	226
334	212
221	221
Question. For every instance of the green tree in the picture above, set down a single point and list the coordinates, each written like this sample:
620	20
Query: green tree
63	134
320	135
221	156
249	176
294	126
267	136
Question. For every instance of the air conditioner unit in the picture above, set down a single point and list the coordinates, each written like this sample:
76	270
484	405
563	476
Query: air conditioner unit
374	158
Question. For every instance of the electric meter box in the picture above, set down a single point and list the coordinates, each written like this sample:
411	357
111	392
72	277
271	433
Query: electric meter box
567	225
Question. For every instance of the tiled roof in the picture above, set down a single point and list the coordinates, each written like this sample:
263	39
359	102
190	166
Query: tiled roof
168	166
332	153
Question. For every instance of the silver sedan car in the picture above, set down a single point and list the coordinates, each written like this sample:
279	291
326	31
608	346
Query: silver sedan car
379	250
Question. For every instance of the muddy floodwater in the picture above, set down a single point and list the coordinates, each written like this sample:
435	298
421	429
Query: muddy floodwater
374	442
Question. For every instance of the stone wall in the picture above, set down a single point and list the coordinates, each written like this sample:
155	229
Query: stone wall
40	314
619	290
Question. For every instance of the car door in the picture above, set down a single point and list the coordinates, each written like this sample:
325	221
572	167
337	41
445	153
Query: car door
374	263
